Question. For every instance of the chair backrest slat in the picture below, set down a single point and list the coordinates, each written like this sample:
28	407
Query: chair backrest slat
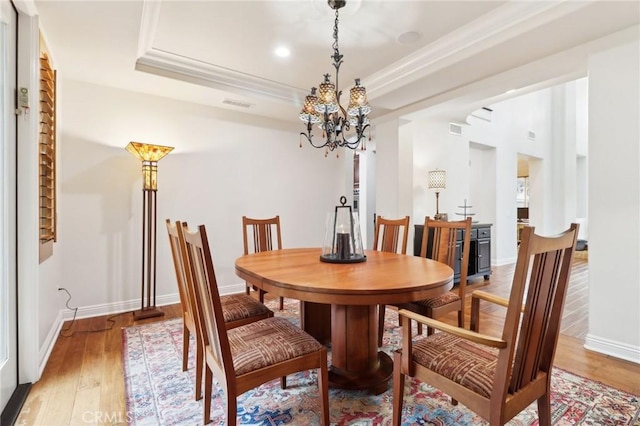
262	234
388	232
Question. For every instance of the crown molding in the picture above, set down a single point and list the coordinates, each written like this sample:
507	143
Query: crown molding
491	29
27	7
148	26
168	64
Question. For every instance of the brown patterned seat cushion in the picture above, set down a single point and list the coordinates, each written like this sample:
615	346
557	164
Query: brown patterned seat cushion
469	364
268	342
436	302
240	306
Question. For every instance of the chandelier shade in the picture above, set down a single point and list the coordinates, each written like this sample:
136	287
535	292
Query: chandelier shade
340	127
309	112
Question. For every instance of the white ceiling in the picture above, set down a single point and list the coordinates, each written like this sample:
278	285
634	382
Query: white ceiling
469	53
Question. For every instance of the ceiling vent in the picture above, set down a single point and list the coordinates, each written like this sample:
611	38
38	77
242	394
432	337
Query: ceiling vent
455	129
532	135
240	104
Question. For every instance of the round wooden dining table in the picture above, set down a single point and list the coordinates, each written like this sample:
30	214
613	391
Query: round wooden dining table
353	291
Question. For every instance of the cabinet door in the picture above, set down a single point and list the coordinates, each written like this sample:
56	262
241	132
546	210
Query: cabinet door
484	257
458	262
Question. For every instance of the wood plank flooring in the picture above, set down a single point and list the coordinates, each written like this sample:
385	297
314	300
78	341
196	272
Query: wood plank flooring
83	381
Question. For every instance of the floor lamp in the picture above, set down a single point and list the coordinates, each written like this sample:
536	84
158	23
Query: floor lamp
149	155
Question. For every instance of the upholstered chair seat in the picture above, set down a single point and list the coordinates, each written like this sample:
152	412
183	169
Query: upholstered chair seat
438	301
466	363
268	342
240	307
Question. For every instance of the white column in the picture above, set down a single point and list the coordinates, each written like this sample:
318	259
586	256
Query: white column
614	202
394	168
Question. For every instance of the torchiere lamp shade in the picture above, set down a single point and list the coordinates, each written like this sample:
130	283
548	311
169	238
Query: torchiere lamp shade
149	155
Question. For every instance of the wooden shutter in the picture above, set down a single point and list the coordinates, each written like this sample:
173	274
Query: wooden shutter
47	151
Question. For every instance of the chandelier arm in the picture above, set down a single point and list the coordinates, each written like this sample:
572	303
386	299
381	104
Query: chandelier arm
353	143
309	137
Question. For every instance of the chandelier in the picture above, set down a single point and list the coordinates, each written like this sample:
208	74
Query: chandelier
340	128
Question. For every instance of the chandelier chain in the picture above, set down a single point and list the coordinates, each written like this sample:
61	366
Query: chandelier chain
337	57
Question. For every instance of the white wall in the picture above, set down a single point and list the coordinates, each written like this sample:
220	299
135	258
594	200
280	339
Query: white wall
481	166
393	199
222	167
614	202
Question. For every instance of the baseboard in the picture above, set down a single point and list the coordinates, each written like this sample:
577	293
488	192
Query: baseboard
233	289
132	305
504	261
116	307
109	309
612	348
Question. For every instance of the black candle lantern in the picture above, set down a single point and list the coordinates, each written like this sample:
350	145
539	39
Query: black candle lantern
342	241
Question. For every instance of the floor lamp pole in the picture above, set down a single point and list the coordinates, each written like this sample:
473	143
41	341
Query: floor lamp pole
148	307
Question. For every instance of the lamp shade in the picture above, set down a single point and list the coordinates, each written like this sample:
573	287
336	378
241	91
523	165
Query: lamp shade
148	152
149	155
437	179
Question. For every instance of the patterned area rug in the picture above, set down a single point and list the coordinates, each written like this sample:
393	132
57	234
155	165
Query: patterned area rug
160	393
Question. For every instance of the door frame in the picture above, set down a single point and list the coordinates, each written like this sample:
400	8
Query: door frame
11	394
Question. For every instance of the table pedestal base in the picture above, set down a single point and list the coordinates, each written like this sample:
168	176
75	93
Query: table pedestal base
375	381
356	362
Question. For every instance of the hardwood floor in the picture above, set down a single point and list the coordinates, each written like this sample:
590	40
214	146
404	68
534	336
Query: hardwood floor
83	380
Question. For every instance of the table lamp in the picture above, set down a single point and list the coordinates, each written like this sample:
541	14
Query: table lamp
438	181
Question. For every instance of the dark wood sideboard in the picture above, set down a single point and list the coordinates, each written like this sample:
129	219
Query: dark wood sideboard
479	252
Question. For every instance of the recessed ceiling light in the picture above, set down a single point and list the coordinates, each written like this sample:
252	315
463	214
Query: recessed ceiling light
282	52
409	37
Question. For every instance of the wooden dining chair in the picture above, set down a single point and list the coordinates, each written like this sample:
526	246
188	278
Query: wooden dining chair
440	242
389	235
497	377
238	309
247	356
265	235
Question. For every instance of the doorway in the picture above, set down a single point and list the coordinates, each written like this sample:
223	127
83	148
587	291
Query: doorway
522	193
